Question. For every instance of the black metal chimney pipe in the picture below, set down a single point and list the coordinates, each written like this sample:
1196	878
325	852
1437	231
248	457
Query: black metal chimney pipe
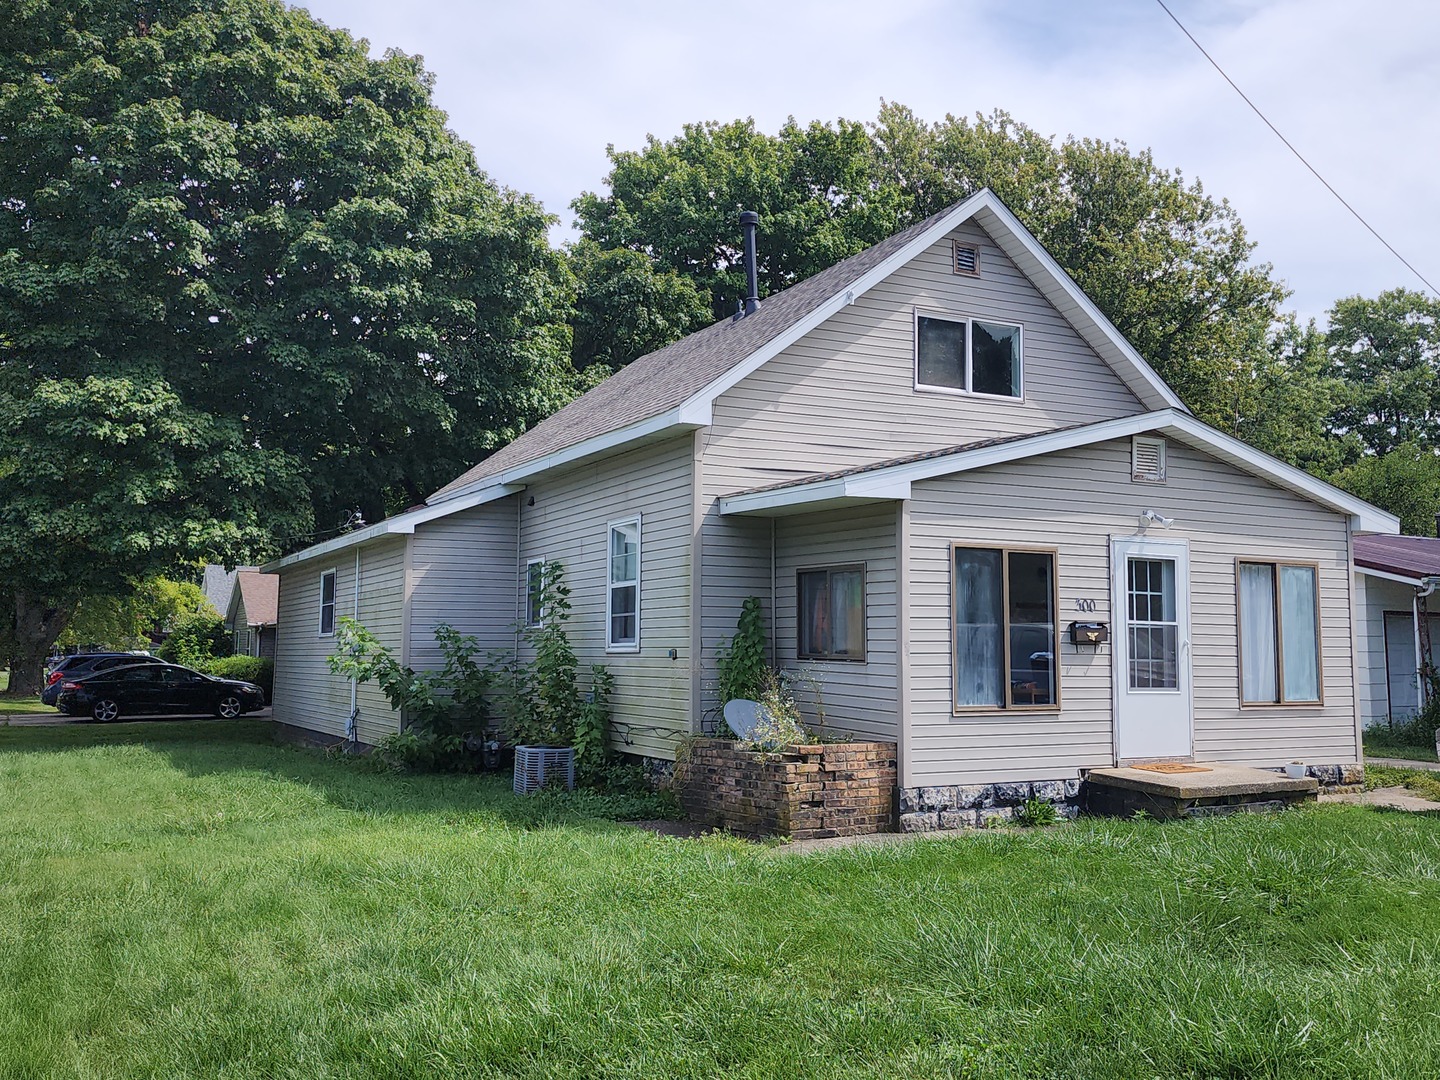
749	222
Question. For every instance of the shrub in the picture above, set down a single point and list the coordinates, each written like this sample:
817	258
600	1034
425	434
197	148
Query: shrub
741	669
1037	812
257	669
196	641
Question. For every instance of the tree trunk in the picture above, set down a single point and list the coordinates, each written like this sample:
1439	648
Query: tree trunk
37	624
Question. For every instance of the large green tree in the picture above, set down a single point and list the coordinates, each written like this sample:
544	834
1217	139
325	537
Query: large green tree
1169	264
248	281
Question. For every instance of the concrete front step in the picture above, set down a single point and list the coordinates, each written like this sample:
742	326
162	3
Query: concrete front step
1220	789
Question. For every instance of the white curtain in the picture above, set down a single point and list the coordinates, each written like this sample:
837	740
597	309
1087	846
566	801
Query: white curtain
1257	632
1299	625
979	650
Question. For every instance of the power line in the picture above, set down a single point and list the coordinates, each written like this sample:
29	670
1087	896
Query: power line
1256	109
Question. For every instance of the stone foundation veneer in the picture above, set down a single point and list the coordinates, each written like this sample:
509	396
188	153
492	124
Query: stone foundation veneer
978	806
804	792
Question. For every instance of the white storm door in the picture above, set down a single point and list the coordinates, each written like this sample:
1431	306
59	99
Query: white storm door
1151	645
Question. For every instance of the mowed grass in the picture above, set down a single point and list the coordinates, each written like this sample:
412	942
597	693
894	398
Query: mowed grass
13	706
188	900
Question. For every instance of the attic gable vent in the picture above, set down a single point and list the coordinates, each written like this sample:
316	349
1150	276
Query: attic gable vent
1147	460
967	259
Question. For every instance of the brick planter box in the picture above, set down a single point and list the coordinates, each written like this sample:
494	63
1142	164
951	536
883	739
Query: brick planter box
833	789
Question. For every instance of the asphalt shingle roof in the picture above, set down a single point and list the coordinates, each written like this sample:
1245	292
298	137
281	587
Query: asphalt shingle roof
667	378
1408	556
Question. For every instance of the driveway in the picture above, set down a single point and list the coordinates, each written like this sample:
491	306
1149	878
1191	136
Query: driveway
55	719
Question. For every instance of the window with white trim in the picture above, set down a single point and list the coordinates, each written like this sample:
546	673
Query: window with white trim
622	599
968	356
1279	606
535	592
327	603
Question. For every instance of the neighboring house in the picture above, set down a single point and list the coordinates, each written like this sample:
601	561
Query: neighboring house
250	613
217	584
928	462
1395	590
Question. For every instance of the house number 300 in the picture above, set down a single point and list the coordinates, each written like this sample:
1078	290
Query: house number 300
1084	605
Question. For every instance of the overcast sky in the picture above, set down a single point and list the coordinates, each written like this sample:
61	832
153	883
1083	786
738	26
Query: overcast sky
540	88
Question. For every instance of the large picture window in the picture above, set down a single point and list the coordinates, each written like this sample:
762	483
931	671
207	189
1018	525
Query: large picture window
622	601
963	355
327	603
1005	633
1279	633
830	620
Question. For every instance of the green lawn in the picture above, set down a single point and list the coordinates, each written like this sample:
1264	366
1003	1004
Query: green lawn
187	900
1399	750
14	706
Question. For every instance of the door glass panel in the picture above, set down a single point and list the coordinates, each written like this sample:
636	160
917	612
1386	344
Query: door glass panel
1153	631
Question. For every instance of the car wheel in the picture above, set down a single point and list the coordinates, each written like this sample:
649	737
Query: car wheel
229	707
105	710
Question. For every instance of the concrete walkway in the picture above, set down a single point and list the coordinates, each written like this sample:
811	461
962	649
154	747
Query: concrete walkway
1402	763
1396	798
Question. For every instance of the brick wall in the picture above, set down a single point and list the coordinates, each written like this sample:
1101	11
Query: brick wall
834	789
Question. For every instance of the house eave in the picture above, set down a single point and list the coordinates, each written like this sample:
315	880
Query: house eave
1385	575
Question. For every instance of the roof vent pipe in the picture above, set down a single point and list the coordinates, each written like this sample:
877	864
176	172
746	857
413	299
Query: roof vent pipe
749	222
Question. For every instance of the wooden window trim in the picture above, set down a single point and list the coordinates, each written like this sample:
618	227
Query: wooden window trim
1275	565
864	613
333	572
1009	706
612	646
969	321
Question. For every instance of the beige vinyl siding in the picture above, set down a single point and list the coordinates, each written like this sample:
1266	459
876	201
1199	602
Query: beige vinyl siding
307	695
1076	501
859	698
844	395
1376	596
569	523
462	572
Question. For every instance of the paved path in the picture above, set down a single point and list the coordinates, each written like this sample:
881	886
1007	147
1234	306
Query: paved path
1396	798
1402	763
55	719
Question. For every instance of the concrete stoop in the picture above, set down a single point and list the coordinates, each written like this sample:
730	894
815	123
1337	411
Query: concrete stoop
1221	789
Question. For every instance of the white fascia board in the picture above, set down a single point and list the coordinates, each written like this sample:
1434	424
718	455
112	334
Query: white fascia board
398	525
700	403
1368	572
598	444
836	491
1015	229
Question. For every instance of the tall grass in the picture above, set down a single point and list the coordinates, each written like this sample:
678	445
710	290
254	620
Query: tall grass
185	900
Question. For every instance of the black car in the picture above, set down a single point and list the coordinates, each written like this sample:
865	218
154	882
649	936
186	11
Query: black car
72	668
156	690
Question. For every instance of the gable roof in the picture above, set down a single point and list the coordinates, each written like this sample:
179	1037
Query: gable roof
217	584
674	387
889	480
1408	557
260	593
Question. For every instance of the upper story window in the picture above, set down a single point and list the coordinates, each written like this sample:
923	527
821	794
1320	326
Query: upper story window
970	356
327	603
622	600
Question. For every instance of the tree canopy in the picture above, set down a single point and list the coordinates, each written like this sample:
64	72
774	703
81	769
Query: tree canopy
248	281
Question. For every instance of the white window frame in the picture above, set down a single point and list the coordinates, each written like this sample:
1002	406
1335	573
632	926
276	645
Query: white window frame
612	646
540	606
334	603
969	321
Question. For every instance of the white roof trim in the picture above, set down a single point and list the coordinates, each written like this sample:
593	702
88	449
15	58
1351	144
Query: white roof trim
1370	572
398	525
891	481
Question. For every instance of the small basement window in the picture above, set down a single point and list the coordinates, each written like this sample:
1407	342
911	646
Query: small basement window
1147	460
969	356
830	620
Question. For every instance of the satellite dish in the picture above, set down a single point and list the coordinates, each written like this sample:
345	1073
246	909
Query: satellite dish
744	716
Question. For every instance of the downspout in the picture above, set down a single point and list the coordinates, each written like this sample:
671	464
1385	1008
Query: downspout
774	616
352	728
